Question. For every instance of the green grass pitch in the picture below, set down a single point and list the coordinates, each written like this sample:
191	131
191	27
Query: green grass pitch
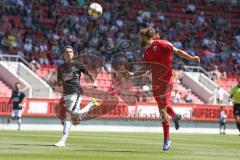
27	145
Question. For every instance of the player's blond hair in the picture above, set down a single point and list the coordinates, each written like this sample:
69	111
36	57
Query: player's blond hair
145	34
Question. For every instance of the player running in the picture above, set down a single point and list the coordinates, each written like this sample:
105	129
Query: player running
235	94
158	58
69	78
222	121
17	101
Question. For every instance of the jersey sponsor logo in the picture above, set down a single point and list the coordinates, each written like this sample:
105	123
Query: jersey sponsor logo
68	76
16	99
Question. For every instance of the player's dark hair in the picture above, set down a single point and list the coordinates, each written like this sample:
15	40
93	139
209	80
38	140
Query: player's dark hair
68	47
17	83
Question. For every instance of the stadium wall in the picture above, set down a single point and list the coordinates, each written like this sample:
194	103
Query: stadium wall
41	115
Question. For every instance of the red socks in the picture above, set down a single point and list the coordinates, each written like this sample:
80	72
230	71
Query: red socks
171	112
166	124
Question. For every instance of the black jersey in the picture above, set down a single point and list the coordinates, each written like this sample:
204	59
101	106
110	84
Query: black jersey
17	98
69	74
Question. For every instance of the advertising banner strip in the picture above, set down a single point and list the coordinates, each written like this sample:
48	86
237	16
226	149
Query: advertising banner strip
120	110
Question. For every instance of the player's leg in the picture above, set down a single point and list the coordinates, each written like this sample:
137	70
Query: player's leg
83	112
166	131
162	101
224	128
162	107
19	116
14	114
166	134
61	112
236	113
162	94
74	102
66	130
19	123
166	127
237	118
166	124
71	102
176	117
220	128
12	117
237	123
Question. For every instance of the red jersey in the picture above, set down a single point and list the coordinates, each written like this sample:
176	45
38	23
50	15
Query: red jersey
159	54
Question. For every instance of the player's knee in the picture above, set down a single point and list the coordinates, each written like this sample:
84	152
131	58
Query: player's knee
162	107
68	116
76	121
238	120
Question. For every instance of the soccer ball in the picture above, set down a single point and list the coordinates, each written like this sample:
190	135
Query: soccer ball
95	10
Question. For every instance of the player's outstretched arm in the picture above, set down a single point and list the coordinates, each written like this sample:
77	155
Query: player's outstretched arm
92	79
127	74
186	55
10	101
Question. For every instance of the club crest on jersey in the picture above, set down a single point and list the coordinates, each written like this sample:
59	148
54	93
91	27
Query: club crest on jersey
155	48
67	76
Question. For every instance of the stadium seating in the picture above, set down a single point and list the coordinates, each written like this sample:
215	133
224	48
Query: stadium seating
5	91
106	90
228	83
173	12
183	92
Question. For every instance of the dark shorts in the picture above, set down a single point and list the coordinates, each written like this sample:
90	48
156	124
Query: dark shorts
222	123
236	109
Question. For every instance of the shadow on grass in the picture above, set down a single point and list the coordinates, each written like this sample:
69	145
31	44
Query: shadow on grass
44	145
87	150
115	151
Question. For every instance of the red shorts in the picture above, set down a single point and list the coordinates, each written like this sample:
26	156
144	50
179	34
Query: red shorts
162	92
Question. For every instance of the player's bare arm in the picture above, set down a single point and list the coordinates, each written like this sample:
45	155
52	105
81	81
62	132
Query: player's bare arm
92	79
230	97
10	101
143	69
186	55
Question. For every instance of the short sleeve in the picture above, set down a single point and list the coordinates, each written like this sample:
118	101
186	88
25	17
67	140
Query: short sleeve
167	45
83	69
23	95
145	57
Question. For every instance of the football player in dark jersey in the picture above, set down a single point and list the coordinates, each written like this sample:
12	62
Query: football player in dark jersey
68	77
17	102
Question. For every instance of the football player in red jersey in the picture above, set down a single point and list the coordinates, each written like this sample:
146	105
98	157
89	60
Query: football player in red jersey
158	59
